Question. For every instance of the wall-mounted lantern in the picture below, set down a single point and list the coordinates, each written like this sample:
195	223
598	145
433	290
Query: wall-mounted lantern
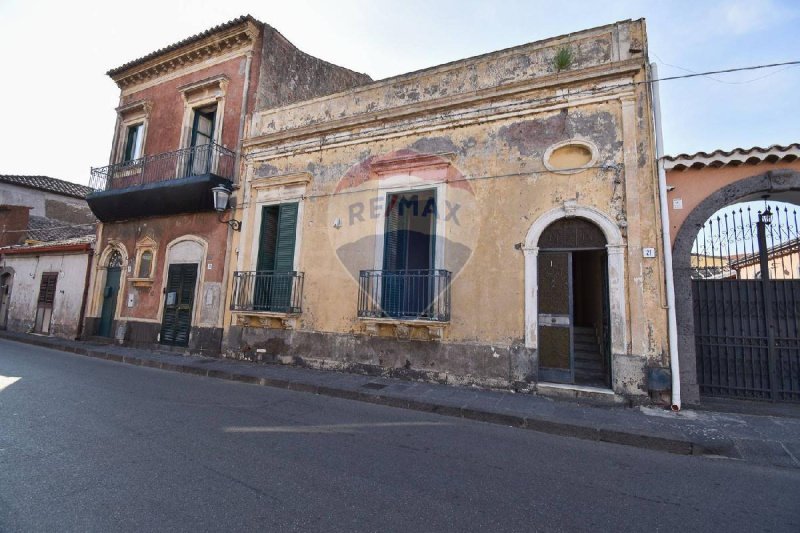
221	196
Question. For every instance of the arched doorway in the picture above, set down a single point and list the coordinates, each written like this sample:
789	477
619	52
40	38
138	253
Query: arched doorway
6	279
573	313
739	331
110	293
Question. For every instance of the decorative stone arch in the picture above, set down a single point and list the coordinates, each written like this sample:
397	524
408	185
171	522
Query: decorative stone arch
185	249
102	262
775	183
100	278
615	248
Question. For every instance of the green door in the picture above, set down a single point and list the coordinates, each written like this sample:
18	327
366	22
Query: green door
275	263
110	292
178	304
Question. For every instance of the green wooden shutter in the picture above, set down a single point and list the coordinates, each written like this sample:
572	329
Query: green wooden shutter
268	238
284	258
188	278
273	288
287	236
177	321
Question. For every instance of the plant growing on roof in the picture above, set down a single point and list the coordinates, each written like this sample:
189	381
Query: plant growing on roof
563	59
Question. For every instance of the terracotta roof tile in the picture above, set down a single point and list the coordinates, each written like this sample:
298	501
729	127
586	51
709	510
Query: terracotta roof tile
45	183
735	157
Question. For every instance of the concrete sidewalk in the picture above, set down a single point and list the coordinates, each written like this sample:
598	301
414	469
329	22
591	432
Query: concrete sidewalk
766	440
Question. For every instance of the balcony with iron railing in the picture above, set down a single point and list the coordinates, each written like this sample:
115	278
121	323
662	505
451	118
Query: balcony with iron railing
267	292
411	295
161	184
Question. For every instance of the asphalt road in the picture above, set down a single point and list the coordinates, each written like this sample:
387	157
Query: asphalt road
91	445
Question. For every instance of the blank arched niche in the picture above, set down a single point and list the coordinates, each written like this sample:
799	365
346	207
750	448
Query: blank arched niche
570	157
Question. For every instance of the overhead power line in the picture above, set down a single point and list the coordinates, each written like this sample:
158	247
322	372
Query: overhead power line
590	91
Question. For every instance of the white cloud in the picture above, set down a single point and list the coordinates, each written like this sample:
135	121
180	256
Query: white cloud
747	16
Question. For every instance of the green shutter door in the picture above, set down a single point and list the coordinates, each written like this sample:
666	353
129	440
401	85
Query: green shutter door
179	302
275	262
287	234
284	258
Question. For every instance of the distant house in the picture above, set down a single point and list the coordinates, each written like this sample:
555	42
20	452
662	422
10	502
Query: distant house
46	242
43	286
41	208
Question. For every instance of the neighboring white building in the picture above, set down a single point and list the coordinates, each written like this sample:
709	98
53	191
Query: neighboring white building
43	286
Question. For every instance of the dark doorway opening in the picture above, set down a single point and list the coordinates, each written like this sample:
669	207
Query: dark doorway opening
574	332
590	317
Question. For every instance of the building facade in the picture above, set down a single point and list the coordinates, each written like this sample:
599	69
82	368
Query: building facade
490	221
43	286
159	275
737	328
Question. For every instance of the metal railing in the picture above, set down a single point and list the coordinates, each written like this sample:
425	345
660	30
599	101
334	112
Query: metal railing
405	294
267	290
195	161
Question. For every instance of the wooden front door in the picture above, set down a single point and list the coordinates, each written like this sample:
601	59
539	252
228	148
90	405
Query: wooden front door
176	323
555	317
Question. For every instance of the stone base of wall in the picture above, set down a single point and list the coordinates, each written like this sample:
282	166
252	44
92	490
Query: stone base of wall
202	340
490	366
56	330
464	364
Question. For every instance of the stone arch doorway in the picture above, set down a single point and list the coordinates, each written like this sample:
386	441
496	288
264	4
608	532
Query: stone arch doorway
607	246
113	263
779	185
573	304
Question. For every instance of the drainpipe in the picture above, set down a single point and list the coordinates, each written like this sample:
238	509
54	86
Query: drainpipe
243	114
669	278
82	315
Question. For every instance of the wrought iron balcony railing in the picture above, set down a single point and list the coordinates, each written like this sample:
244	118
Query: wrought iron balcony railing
195	161
405	294
277	292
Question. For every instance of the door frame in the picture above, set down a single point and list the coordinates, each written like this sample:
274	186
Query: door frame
615	251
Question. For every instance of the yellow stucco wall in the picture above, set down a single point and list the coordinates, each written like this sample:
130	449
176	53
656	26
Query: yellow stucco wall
490	151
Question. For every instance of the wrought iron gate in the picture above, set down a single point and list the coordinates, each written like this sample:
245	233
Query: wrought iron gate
746	293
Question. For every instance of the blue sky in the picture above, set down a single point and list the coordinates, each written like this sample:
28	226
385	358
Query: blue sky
59	105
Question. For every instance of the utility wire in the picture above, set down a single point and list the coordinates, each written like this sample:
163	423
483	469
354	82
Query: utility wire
591	91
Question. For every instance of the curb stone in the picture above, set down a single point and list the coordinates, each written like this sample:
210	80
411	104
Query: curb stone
681	445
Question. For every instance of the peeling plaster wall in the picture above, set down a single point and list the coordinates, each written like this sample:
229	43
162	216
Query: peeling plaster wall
289	75
499	155
28	271
47	204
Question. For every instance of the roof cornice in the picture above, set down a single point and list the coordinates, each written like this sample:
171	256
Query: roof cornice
193	50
